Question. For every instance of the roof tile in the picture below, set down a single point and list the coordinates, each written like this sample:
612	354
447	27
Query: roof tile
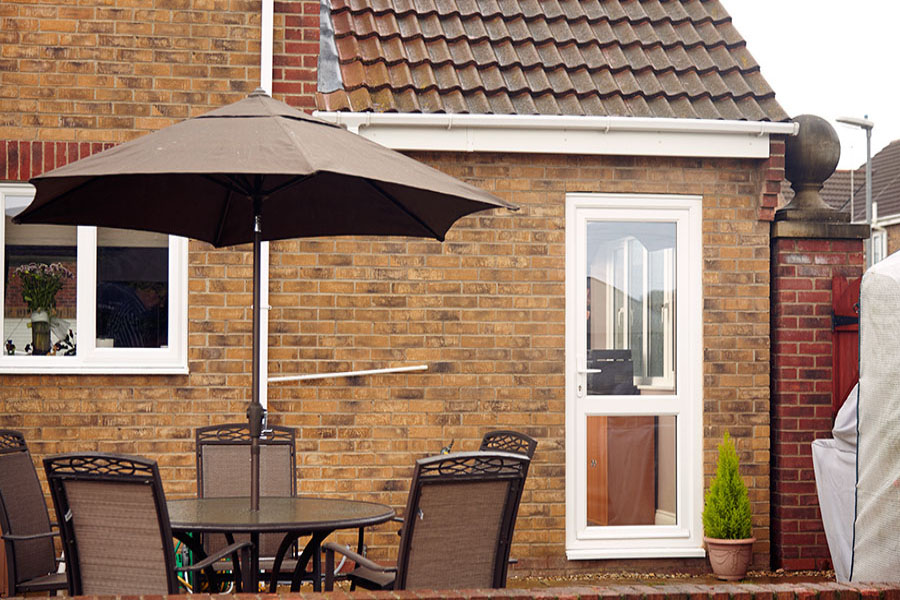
661	108
477	102
613	10
545	104
649	58
593	106
470	79
569	104
501	104
461	52
524	104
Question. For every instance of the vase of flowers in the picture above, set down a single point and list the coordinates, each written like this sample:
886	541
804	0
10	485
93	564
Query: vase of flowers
40	284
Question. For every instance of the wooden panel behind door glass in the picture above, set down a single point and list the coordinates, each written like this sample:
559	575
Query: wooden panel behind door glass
631	470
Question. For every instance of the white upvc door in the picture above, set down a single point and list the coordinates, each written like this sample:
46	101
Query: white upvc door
634	394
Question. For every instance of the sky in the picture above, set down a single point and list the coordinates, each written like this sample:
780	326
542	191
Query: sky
829	58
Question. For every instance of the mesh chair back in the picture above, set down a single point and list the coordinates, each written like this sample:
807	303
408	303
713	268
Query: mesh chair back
223	471
23	511
459	520
114	524
509	441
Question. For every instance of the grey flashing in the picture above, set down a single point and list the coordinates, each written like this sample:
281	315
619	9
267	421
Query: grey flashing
329	72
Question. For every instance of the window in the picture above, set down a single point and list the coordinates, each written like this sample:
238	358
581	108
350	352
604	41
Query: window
117	299
878	244
633	376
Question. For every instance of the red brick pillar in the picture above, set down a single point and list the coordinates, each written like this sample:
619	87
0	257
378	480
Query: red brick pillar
802	268
811	243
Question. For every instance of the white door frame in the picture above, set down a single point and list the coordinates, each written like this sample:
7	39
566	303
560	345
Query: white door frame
685	538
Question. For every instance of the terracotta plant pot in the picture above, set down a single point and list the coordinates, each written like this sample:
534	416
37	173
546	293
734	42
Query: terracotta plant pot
729	559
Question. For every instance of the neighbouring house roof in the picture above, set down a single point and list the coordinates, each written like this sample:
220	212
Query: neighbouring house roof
624	58
885	186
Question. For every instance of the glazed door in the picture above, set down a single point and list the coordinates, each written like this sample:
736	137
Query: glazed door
633	396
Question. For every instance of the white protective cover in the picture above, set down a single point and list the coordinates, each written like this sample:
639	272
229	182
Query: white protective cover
876	545
834	461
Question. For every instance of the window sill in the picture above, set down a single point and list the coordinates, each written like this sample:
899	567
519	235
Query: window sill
67	365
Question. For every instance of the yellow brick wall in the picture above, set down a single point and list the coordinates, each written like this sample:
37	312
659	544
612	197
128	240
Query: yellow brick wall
484	310
108	72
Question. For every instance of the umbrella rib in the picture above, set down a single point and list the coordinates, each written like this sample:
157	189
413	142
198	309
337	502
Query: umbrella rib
408	212
287	184
223	218
230	184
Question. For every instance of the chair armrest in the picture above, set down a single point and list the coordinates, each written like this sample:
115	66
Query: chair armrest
359	559
33	536
331	548
240	564
216	556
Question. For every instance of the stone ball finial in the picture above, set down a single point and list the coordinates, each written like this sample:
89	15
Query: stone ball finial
810	157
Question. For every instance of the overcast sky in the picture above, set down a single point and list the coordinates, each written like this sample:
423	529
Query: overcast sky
829	58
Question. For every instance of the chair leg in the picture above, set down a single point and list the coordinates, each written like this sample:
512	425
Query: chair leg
360	549
244	579
329	570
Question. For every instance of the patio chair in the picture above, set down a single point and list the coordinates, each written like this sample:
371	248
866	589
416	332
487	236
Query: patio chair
223	471
115	526
27	533
461	513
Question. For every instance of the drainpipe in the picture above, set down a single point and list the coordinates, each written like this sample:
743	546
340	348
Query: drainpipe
266	42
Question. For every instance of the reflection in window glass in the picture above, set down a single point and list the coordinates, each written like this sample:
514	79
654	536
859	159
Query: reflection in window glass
631	307
631	470
46	256
132	289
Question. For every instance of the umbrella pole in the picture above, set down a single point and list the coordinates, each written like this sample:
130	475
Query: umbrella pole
255	412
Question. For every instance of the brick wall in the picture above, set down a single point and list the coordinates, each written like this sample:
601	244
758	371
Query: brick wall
296	53
801	395
485	311
893	239
107	73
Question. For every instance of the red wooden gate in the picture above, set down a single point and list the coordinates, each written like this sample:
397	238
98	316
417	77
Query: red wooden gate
844	339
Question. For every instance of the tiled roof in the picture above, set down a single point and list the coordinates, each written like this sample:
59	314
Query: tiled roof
642	58
885	186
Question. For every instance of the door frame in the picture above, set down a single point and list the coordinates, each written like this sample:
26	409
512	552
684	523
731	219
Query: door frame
685	538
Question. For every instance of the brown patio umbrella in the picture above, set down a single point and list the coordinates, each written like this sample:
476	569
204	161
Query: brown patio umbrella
254	171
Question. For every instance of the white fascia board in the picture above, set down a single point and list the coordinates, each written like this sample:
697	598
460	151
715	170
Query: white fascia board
886	221
552	134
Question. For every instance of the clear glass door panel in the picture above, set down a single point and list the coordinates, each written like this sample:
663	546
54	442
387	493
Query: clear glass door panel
631	470
630	288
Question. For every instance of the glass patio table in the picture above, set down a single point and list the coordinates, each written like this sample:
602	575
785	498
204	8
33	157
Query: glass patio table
293	516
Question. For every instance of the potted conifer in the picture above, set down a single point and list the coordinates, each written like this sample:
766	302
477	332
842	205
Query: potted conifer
726	518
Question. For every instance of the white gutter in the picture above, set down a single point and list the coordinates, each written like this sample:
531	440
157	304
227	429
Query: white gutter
636	136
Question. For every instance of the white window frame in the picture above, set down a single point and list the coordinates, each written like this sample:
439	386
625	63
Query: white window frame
88	357
683	539
879	244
